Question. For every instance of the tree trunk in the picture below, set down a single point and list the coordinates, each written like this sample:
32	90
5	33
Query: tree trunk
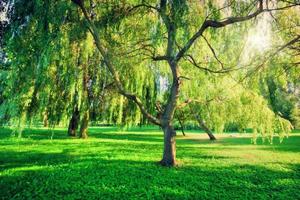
169	154
202	124
181	126
45	119
73	124
205	128
85	102
84	125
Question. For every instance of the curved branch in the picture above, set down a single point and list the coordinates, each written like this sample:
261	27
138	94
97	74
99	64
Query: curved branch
193	62
213	52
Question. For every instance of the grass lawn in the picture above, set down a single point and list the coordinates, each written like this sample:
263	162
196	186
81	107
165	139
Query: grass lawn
122	165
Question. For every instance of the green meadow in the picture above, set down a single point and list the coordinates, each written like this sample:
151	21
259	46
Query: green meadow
114	164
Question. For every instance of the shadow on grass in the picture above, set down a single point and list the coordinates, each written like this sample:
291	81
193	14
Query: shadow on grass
102	133
129	179
13	159
35	133
115	129
132	137
5	132
290	144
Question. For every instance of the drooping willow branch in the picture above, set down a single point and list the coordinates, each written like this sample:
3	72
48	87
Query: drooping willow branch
106	58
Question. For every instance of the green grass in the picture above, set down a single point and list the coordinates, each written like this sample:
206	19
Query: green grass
122	165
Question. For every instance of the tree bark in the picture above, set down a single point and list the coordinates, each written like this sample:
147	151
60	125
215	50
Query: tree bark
169	154
73	124
84	125
202	124
45	119
205	128
181	126
85	102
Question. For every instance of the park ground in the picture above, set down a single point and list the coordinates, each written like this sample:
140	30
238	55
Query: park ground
113	164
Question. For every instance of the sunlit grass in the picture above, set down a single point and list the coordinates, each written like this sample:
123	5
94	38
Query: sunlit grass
114	164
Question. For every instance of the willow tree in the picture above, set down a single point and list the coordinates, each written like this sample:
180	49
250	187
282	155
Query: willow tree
66	79
219	97
175	20
56	59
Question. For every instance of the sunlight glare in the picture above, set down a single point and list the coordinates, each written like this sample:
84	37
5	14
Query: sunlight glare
258	39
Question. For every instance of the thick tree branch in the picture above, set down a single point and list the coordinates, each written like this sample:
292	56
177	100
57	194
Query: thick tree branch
142	6
159	58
